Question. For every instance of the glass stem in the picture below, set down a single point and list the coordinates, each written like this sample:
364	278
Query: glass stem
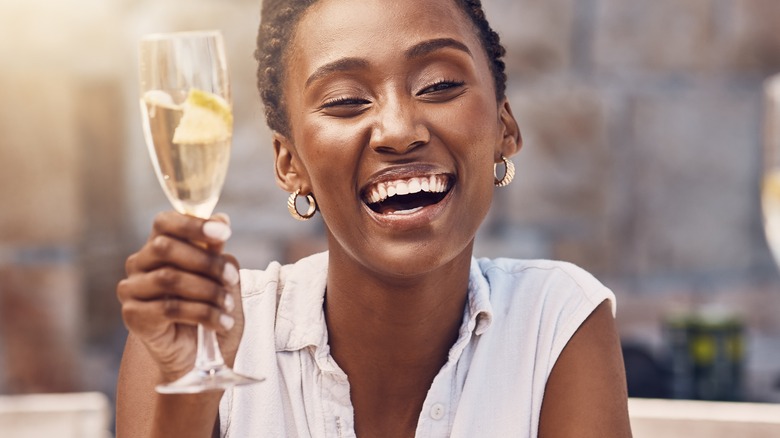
208	357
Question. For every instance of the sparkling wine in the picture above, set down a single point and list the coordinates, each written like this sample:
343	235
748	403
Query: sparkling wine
191	174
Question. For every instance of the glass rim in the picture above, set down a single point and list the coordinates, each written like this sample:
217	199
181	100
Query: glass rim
157	36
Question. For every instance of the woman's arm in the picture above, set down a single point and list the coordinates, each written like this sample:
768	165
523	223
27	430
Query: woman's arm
586	393
142	413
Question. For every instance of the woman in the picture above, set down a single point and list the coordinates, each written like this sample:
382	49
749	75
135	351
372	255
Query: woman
389	117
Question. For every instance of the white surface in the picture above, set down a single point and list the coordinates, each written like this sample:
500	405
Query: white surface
652	418
76	415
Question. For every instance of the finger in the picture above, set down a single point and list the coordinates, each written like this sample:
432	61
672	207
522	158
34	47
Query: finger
191	228
147	317
164	250
170	282
188	312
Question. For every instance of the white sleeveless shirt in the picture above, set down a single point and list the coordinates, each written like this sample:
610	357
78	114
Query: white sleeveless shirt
519	316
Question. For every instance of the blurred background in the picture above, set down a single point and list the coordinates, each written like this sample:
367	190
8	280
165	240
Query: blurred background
642	123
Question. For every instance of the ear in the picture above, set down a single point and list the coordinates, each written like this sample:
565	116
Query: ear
511	141
289	171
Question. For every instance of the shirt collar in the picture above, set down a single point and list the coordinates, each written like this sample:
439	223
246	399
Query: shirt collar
479	311
477	316
300	319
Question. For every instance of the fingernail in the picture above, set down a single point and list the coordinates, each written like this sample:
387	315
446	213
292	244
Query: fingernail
217	230
226	321
230	274
230	303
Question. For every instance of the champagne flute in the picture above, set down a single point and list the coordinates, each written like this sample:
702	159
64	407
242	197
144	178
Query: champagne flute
187	119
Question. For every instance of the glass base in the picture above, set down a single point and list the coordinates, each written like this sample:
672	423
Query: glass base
197	381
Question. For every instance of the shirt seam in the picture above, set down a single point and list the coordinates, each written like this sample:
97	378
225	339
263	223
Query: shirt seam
584	291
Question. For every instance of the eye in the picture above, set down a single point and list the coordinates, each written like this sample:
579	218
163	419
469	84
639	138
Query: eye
344	101
344	106
441	86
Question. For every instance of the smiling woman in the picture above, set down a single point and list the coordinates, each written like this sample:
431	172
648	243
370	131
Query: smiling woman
391	122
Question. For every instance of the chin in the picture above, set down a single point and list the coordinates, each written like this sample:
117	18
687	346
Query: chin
412	260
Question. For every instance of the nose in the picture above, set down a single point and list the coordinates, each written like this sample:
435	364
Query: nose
398	128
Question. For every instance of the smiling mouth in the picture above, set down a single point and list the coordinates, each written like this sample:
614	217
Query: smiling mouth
408	195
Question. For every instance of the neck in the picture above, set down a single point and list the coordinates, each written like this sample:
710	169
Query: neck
387	325
405	320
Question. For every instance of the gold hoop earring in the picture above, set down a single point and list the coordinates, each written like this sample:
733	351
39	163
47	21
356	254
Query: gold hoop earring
293	208
509	173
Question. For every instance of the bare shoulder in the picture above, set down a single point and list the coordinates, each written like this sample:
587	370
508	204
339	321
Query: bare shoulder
586	392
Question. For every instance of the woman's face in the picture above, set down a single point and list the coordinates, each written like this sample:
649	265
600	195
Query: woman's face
386	98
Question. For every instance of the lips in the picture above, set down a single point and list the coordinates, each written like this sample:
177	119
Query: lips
406	195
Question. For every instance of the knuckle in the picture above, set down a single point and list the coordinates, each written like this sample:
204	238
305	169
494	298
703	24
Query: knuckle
162	246
171	307
159	219
131	263
166	277
122	290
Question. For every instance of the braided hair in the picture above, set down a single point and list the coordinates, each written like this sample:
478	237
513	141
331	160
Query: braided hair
278	21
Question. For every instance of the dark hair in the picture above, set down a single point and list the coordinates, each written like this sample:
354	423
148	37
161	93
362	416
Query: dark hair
278	20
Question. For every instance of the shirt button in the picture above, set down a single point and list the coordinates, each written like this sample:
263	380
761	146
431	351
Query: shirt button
437	411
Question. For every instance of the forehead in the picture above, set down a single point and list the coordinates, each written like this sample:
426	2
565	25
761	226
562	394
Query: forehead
332	29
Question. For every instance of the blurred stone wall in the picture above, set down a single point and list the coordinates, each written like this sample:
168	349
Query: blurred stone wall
641	122
642	127
62	216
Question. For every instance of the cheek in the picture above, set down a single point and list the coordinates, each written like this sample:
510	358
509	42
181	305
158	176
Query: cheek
471	131
330	154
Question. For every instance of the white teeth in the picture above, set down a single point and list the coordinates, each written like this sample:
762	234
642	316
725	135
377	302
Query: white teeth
406	212
430	184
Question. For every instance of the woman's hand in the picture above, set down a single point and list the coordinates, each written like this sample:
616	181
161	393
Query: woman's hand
178	279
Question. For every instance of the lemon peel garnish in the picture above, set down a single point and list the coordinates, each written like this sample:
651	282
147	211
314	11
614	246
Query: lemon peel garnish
206	118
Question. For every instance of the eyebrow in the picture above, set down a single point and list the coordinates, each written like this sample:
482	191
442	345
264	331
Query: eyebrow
417	51
343	64
426	47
